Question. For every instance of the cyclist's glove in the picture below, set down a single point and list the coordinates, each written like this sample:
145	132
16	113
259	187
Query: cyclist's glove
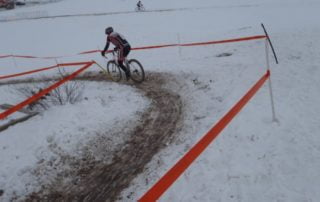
103	53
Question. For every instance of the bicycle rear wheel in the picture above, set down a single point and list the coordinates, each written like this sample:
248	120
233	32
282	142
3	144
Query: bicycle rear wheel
114	71
136	71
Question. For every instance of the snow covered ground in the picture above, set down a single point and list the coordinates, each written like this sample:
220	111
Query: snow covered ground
253	159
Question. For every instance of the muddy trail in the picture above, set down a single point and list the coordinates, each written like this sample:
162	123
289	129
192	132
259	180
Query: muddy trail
95	180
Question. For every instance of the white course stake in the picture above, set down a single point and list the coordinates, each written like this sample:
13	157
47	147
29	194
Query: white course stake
274	119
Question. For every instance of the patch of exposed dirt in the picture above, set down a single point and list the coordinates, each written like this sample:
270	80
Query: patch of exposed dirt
96	180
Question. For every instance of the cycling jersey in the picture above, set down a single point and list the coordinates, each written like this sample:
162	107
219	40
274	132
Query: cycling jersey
117	40
120	43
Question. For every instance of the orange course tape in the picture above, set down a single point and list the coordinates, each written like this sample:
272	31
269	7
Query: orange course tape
153	46
157	46
28	72
225	41
45	91
173	174
5	56
42	69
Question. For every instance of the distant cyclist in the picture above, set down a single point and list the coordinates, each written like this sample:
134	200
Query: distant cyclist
140	6
120	44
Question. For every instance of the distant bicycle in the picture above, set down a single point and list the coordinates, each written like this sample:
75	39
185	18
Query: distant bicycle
136	69
139	7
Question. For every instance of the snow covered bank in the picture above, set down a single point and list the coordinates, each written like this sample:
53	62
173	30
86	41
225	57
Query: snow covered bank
253	159
31	152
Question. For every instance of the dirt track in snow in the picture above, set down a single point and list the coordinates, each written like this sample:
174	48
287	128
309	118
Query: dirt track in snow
94	180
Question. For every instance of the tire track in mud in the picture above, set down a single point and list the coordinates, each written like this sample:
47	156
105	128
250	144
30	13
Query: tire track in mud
105	182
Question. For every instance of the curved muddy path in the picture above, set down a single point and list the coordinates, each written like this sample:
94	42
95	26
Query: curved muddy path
95	180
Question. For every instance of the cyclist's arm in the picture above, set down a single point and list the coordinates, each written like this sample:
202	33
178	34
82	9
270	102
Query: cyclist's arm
107	45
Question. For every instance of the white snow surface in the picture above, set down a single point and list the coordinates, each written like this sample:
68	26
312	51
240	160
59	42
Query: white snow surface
253	159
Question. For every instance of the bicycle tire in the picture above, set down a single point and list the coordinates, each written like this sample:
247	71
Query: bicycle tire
137	9
136	71
114	71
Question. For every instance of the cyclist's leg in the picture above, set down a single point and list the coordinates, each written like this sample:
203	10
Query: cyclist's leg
126	52
121	65
126	70
121	59
122	55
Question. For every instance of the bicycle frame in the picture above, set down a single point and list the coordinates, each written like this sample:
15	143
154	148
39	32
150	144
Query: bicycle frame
115	55
137	75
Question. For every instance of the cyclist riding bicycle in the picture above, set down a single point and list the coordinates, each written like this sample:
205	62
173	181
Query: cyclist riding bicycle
139	5
120	44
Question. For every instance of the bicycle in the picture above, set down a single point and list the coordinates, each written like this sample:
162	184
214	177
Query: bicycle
138	9
136	69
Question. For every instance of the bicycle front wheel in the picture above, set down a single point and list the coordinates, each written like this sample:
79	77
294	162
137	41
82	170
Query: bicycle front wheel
136	71
114	71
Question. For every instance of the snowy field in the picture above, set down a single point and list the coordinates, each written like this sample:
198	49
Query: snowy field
253	159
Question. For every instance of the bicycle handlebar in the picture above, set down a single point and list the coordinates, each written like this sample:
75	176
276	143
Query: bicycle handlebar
113	52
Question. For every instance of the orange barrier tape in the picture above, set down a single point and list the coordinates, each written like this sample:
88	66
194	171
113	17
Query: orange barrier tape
37	96
88	52
5	56
173	174
191	44
42	69
28	72
154	46
31	57
73	64
225	41
94	51
24	56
